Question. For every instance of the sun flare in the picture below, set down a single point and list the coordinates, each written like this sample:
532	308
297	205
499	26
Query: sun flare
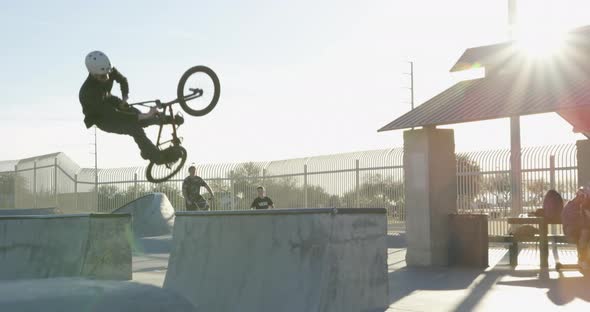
541	31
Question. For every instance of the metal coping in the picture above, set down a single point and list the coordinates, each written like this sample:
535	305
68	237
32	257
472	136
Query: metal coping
67	216
284	212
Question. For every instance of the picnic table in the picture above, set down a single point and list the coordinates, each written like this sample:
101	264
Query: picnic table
543	240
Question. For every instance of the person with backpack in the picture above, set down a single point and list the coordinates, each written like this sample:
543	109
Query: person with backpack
575	218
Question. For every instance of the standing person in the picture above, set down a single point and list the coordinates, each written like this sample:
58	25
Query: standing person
191	190
576	224
262	201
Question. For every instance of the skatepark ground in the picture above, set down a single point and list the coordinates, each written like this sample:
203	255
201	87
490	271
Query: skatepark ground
495	289
498	288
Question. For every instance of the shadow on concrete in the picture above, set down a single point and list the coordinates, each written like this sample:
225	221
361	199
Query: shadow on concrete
560	291
397	240
476	282
407	280
153	245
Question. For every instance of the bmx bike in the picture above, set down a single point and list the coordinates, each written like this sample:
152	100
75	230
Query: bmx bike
197	93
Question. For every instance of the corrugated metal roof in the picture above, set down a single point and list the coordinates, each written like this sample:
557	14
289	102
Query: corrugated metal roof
497	55
538	90
482	56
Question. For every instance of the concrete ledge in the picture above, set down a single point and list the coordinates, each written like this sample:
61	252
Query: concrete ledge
83	245
281	260
67	216
285	211
29	211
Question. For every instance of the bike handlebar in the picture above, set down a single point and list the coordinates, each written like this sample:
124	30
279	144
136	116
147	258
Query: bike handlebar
196	93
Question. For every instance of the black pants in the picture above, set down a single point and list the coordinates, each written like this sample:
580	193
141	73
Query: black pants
135	130
200	204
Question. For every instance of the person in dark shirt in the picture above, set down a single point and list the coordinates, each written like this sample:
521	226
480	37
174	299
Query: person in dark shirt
191	190
575	218
112	114
262	201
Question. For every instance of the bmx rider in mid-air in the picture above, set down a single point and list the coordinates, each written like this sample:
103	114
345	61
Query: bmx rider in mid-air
112	114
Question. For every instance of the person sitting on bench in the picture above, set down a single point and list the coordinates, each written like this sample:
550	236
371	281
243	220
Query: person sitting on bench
576	224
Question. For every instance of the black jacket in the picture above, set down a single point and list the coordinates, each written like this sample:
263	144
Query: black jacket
98	105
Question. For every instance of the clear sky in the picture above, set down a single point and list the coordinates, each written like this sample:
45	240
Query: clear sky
299	78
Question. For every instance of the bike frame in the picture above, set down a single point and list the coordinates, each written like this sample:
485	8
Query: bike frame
168	105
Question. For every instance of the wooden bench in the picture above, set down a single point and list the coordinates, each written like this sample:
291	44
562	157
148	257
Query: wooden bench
513	250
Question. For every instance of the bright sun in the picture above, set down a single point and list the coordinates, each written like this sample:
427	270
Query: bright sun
541	29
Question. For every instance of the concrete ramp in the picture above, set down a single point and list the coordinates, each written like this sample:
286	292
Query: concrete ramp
152	214
85	245
281	260
75	294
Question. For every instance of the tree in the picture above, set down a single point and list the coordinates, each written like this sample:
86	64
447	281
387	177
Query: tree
378	192
468	181
536	190
499	185
7	185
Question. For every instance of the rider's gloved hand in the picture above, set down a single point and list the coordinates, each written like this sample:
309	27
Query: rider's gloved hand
123	105
153	112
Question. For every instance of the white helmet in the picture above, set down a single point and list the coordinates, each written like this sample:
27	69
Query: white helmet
98	63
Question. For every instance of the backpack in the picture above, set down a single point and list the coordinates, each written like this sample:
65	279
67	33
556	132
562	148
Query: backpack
570	216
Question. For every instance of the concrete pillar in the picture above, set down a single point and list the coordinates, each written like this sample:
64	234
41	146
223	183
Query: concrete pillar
583	162
431	194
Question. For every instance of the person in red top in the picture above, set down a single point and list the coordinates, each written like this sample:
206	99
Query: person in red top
576	224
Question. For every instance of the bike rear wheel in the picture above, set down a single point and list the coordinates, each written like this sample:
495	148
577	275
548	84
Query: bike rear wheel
204	80
160	173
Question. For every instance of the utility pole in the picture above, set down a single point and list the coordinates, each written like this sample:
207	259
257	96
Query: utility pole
515	144
411	74
412	83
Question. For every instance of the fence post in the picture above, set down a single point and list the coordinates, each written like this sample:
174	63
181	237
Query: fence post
357	185
76	191
231	194
135	185
552	184
15	186
35	184
305	202
55	181
552	172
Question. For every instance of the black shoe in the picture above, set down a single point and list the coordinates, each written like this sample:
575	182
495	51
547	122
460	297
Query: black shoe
178	120
168	155
162	119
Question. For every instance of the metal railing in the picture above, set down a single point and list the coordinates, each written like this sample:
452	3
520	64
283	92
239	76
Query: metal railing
484	184
363	179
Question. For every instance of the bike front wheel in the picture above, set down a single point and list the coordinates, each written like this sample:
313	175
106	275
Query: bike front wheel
198	90
160	173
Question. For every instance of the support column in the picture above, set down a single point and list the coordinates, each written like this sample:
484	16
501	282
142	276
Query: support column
431	194
515	167
583	162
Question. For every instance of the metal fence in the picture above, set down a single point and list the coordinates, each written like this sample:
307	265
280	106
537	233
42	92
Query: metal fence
362	179
484	184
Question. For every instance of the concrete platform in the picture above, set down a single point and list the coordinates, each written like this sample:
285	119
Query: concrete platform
281	260
83	245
